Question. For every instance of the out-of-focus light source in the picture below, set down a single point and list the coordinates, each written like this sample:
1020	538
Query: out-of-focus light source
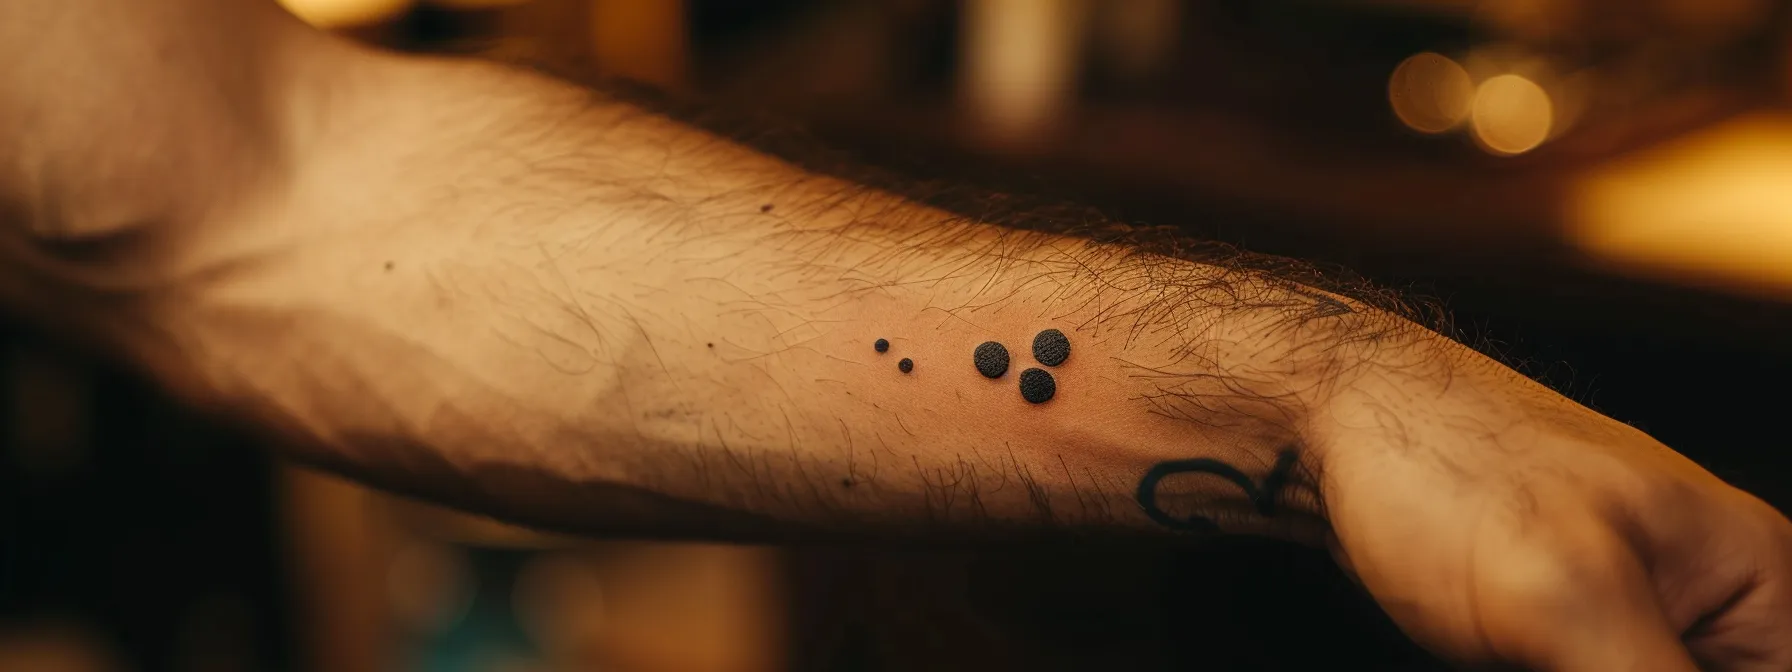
1020	64
644	41
1511	115
1713	208
343	13
1430	93
476	4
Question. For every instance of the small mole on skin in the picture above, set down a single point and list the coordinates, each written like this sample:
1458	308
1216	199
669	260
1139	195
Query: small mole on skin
906	365
991	359
881	345
1037	386
388	265
765	208
1051	348
710	344
846	482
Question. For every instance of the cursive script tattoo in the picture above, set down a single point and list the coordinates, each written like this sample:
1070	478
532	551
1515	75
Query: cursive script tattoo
1262	498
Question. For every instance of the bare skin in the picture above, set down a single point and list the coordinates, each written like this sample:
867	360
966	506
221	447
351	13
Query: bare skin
509	294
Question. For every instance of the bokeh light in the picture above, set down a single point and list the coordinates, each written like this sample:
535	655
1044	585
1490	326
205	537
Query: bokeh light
1511	115
1430	93
1709	208
1020	64
476	4
343	13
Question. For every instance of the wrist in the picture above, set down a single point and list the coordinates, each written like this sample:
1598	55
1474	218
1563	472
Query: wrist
1421	398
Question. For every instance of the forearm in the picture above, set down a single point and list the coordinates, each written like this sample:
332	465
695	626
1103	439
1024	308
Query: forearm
509	293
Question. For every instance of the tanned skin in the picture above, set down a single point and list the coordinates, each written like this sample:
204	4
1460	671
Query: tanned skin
514	295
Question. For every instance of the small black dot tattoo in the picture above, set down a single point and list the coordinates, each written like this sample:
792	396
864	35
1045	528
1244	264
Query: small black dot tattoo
906	365
1051	348
1037	386
846	483
765	208
881	345
991	359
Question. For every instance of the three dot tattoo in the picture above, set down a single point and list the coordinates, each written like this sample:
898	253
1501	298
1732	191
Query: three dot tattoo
1050	348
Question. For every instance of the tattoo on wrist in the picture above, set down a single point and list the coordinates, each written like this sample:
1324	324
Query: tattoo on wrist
1051	348
1262	497
1037	386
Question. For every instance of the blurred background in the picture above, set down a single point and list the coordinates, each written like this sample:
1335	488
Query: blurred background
1601	190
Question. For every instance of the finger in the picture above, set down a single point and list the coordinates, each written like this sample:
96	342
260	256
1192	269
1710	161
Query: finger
1750	629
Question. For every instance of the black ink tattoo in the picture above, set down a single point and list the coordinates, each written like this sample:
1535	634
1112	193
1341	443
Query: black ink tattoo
906	365
991	359
1262	498
1037	386
881	345
1051	348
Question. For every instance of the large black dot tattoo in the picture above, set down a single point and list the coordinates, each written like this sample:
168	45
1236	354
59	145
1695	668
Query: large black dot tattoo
1051	348
991	359
1037	386
906	365
881	345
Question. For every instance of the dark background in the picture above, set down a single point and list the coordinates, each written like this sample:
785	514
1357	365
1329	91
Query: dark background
135	536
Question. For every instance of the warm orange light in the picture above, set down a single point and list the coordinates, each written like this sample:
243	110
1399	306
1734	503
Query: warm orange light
341	13
1511	115
476	4
642	41
1713	208
1020	64
1430	93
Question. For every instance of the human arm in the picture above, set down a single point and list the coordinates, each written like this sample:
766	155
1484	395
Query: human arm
501	291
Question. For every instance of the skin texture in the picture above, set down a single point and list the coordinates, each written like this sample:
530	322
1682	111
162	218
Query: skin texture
426	274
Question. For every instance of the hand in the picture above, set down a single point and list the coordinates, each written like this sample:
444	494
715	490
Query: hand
1499	523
